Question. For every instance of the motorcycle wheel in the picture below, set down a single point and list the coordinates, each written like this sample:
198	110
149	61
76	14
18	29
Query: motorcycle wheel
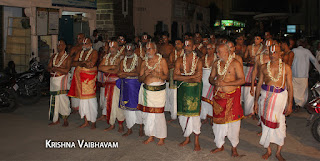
315	129
29	100
11	104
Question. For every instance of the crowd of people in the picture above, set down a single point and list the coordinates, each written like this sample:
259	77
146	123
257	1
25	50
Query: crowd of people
213	79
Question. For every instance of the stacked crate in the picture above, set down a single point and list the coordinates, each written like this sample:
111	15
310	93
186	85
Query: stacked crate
18	48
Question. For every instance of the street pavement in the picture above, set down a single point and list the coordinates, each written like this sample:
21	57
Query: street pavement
25	131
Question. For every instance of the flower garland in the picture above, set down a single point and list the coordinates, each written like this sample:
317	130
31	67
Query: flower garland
175	54
155	66
64	57
279	73
259	50
143	58
89	53
133	64
206	61
194	64
112	60
200	46
121	50
226	66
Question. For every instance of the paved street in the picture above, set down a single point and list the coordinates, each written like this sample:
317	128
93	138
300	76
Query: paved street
23	134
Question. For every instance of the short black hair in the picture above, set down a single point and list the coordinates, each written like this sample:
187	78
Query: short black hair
285	41
258	34
165	33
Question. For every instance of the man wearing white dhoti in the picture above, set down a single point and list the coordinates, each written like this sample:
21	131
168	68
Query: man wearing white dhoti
188	73
59	67
129	86
300	73
275	80
227	110
207	90
152	95
83	84
110	66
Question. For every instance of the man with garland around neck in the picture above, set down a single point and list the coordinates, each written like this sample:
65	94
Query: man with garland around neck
110	66
152	95
252	52
129	86
171	99
260	59
83	84
59	66
73	52
275	85
188	73
227	76
207	90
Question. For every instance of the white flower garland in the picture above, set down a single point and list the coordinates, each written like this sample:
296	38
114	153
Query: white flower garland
121	50
133	64
279	73
206	61
112	60
259	50
155	66
226	66
200	46
175	54
64	57
143	58
89	53
194	64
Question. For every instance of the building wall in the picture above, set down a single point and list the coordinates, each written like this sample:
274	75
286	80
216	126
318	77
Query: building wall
115	17
189	16
147	13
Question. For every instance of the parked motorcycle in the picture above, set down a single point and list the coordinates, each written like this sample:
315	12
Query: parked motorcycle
313	107
30	84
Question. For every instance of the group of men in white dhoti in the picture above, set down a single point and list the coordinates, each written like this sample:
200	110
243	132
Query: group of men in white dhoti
194	80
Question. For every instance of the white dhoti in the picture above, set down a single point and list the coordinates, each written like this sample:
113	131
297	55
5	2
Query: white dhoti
207	95
152	103
116	113
132	117
300	90
59	101
193	125
89	108
231	130
171	101
248	101
271	108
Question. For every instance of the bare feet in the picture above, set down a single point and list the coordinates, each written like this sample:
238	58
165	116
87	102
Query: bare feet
235	152
185	142
120	129
279	157
150	139
109	128
84	125
216	150
266	155
102	118
170	120
65	123
161	142
196	143
259	133
141	131
54	123
129	132
93	125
